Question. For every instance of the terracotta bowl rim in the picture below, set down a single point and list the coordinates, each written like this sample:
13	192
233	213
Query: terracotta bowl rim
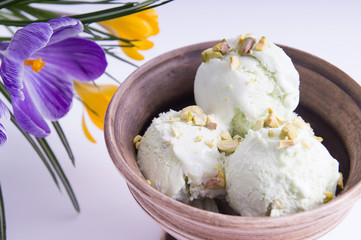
138	184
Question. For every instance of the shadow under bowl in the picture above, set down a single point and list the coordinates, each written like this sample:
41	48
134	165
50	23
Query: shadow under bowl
329	100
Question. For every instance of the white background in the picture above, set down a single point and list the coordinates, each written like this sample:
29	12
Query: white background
35	209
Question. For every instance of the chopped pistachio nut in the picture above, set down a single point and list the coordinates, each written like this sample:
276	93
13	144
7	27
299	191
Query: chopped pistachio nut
329	196
271	120
200	120
216	182
149	182
169	142
209	143
276	204
299	123
261	44
198	138
285	143
137	145
240	40
228	146
320	139
208	54
137	139
226	99
211	122
246	45
176	131
235	62
218	166
340	181
259	124
306	144
226	135
271	133
189	117
222	47
288	132
172	119
193	109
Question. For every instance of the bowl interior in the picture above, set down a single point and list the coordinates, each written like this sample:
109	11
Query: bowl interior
329	100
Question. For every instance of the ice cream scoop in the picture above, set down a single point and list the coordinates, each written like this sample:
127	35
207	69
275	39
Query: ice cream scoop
240	78
178	155
279	171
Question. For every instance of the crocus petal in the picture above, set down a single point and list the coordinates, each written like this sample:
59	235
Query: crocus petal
51	90
133	53
64	28
11	72
96	99
4	112
28	117
28	40
81	58
4	45
86	131
3	136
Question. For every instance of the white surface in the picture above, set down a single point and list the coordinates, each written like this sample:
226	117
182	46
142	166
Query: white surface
34	207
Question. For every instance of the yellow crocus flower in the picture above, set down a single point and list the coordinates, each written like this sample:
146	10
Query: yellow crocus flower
138	26
95	99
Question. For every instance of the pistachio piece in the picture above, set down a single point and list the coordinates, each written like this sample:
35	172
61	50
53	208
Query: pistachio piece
190	111
222	47
208	54
306	144
246	46
276	204
271	120
149	182
200	120
137	145
172	119
211	122
261	44
226	135
340	181
198	138
234	62
240	40
259	124
209	143
271	133
176	131
288	132
320	139
228	146
218	166
216	182
285	143
137	139
329	196
299	123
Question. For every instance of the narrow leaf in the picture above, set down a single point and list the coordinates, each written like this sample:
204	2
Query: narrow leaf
2	217
119	58
63	139
54	162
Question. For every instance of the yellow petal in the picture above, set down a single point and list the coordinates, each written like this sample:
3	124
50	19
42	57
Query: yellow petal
137	26
86	131
96	99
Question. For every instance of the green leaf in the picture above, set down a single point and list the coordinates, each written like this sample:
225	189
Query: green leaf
6	3
54	162
2	217
119	58
63	139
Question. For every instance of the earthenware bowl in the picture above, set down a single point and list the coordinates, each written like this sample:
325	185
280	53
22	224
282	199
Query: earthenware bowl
330	100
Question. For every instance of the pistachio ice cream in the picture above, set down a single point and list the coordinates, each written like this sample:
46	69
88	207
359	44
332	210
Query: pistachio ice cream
241	78
178	155
279	171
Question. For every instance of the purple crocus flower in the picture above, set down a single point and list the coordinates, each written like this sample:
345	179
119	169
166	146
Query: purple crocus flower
38	68
4	113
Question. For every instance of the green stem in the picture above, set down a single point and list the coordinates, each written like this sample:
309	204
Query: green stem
119	58
6	3
54	162
63	139
110	36
2	217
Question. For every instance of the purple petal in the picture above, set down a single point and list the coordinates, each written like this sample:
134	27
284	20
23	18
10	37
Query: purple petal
4	45
28	117
4	112
12	74
51	91
64	28
27	41
3	136
81	58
